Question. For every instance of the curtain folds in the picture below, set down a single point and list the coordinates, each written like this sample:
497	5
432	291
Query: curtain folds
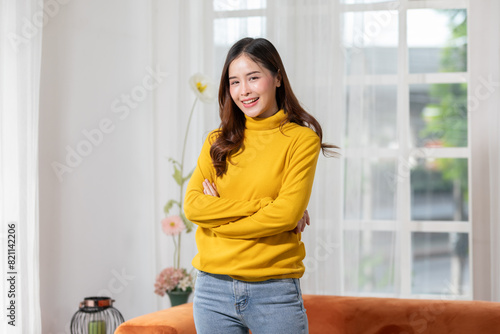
371	261
494	141
20	56
494	151
307	35
183	46
484	99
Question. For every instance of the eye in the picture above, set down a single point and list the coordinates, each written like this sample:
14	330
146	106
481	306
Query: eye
232	83
253	78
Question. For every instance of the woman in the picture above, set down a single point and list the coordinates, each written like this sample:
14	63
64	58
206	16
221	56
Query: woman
249	194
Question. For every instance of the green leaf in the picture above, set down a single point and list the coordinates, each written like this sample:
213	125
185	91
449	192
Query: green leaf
177	176
174	162
189	225
169	205
187	177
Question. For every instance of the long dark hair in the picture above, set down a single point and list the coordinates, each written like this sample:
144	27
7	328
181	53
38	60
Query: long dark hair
232	128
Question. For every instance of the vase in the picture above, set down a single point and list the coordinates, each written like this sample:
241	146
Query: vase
178	297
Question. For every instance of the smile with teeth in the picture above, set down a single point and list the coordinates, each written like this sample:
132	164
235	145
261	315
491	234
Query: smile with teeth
250	101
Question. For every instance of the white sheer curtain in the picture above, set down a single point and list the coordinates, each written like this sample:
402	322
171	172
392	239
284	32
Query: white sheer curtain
183	46
485	124
307	35
393	242
20	54
371	236
494	151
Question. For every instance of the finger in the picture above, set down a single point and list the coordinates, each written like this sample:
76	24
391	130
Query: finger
308	219
215	189
300	226
211	192
207	189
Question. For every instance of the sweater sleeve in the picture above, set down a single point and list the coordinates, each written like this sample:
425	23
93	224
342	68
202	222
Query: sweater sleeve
209	211
287	209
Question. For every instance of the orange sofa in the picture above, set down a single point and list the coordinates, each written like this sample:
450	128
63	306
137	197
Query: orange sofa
353	315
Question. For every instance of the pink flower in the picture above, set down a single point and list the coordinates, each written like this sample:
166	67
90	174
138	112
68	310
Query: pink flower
169	278
172	225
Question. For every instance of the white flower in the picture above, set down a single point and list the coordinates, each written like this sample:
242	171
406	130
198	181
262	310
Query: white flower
203	87
185	283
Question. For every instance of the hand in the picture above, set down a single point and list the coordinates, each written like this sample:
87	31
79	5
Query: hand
301	225
210	188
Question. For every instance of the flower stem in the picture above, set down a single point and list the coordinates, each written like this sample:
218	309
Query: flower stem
184	148
178	246
175	251
179	252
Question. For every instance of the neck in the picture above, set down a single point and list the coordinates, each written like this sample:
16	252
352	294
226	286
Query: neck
265	123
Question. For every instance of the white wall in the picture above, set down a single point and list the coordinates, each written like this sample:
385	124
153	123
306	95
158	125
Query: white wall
97	222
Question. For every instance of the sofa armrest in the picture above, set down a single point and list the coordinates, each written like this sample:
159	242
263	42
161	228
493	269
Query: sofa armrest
174	320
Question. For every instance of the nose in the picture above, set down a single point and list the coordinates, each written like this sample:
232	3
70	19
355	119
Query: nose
245	89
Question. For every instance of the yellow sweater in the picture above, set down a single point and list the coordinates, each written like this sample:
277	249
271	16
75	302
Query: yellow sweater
246	233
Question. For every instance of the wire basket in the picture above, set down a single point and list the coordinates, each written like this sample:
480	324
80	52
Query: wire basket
96	316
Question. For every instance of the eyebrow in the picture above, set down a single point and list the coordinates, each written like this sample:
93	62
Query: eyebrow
233	77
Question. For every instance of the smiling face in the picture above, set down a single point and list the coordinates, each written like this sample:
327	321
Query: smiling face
253	87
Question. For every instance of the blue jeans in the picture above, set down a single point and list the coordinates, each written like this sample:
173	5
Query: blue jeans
225	305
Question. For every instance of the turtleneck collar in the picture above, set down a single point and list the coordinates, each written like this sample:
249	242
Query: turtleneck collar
268	123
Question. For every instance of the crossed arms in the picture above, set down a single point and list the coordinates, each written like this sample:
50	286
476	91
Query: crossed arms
249	219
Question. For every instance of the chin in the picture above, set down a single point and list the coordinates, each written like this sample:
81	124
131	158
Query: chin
254	114
251	113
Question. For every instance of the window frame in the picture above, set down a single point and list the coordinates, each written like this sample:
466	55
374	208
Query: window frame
403	224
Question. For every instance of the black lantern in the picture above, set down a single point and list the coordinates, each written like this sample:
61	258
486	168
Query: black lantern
96	316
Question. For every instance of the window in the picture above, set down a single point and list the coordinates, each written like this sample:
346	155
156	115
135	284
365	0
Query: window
235	19
407	155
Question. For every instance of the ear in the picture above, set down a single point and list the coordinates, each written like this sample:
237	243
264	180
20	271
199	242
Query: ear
278	79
